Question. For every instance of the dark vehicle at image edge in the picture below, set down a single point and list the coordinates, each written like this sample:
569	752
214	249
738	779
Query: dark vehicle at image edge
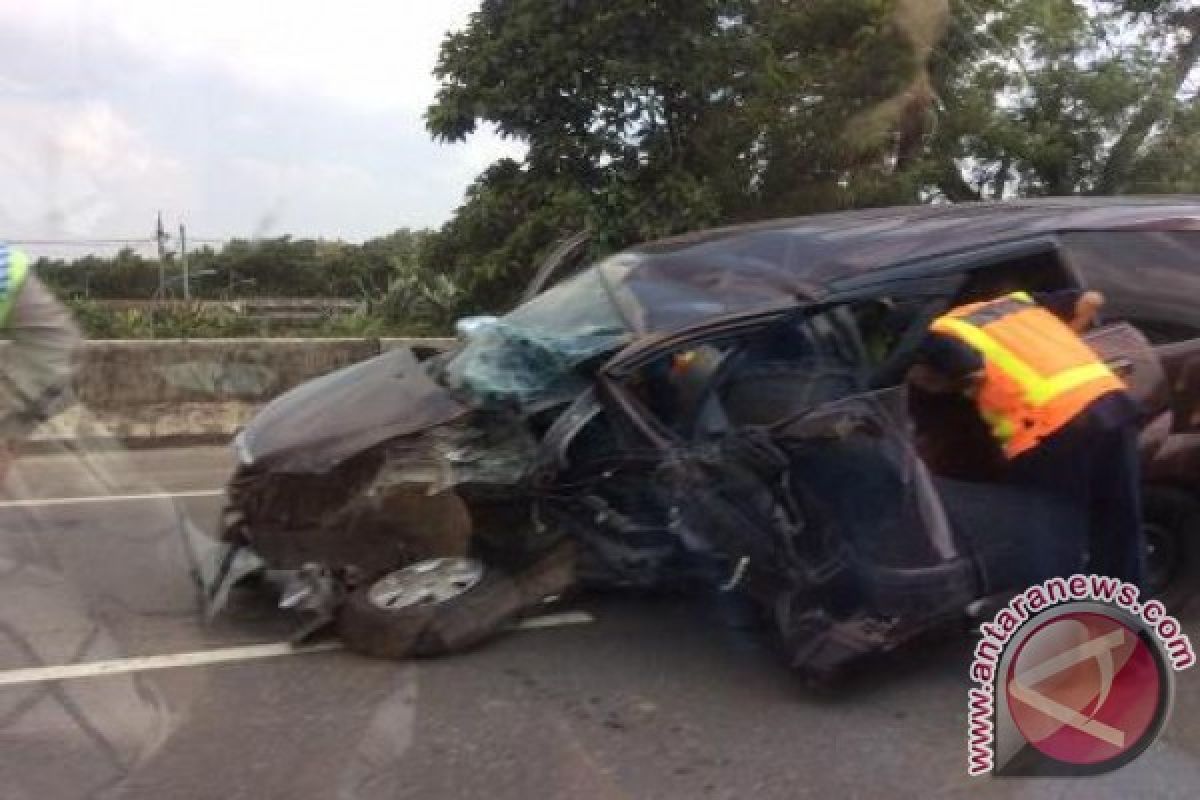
722	409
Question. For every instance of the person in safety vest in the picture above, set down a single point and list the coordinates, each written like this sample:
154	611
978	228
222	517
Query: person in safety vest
36	364
1062	418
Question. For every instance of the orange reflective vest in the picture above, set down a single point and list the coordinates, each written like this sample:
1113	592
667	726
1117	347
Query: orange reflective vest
1038	373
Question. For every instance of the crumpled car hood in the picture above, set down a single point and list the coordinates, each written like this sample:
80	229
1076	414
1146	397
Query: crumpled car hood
318	424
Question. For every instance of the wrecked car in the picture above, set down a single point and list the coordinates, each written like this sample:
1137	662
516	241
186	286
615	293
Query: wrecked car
727	409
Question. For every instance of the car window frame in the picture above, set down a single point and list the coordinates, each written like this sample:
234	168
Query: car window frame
613	377
960	261
924	275
1147	317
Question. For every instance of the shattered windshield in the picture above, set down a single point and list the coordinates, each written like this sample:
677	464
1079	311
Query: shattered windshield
529	356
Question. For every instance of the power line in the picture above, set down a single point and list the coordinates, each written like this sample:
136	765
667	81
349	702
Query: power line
78	242
94	242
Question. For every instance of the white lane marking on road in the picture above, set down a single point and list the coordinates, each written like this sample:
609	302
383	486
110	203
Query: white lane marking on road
119	666
200	658
555	620
37	502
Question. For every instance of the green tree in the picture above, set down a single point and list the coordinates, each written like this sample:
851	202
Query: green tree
648	118
510	215
1062	97
385	273
618	103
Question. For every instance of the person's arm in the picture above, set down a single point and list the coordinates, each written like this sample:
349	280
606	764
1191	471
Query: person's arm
1076	307
37	362
1087	308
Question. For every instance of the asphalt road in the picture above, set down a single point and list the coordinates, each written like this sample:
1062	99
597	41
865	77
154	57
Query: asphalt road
657	698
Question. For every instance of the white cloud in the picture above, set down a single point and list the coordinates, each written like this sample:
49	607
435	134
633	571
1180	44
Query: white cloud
70	168
241	118
372	54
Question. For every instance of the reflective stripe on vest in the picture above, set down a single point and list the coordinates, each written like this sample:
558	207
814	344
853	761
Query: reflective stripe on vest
1038	389
14	267
1032	392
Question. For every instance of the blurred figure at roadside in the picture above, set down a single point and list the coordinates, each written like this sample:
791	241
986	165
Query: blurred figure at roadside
36	364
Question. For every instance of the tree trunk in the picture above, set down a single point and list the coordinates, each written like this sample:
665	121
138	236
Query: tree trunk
1121	160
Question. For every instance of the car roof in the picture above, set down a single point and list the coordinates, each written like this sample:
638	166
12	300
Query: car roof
681	281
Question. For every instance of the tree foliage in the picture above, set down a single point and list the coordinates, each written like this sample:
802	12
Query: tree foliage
644	118
278	267
649	117
385	275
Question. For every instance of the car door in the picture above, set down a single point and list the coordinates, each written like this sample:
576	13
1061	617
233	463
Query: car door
726	454
722	491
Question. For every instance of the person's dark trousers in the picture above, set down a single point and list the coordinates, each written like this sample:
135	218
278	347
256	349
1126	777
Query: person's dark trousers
1094	467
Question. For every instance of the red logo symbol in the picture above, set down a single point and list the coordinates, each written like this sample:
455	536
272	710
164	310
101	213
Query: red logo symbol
1085	689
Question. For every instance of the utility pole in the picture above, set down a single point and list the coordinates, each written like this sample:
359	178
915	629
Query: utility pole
161	236
187	292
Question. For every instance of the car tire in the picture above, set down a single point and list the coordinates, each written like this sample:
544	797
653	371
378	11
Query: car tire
441	622
1171	525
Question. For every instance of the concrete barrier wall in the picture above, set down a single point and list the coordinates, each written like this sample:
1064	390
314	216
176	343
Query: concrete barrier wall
117	375
152	392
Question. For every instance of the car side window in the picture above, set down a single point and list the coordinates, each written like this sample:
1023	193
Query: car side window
1037	272
795	363
674	386
884	322
1149	278
703	389
799	363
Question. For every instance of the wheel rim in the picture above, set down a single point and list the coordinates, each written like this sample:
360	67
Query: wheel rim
1160	556
426	583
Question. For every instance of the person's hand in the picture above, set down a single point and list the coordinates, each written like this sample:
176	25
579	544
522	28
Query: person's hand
1086	309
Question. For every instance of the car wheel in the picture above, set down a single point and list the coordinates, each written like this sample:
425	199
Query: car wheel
436	606
1170	525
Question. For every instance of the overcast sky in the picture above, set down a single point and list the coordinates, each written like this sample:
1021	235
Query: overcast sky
239	117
